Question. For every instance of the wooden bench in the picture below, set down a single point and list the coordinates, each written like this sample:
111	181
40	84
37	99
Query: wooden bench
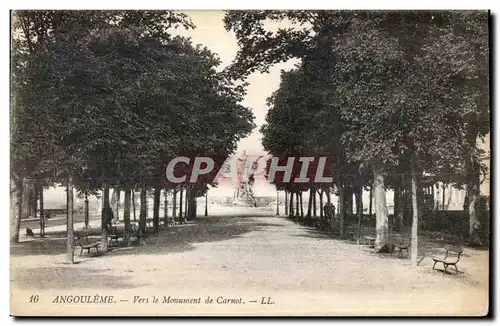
351	232
84	244
370	240
451	257
114	234
400	244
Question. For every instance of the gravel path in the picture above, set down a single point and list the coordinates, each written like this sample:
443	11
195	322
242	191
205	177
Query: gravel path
246	258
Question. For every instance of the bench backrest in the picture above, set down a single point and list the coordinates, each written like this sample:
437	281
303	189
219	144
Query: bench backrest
453	252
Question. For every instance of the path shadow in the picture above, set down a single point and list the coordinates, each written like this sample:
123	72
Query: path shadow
60	277
169	240
185	237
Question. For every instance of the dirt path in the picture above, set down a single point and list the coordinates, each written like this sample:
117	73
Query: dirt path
248	258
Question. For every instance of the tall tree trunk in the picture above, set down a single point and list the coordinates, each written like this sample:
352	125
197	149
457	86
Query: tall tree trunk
397	208
70	225
104	217
34	202
143	212
321	212
191	201
473	194
174	204
118	195
291	204
42	213
309	203
206	203
348	202
381	214
26	207
414	225
297	210
156	209
133	205
126	214
286	203
358	195
371	201
328	196
15	208
115	201
301	205
314	203
86	211
186	203
277	203
342	207
181	193
359	210
165	208
444	191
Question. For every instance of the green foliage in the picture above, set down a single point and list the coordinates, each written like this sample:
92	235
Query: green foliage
109	96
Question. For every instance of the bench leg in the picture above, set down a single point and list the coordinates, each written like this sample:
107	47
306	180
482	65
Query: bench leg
435	262
456	269
445	267
81	251
97	250
88	251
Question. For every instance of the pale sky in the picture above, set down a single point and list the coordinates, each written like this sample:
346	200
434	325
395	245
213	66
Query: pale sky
210	32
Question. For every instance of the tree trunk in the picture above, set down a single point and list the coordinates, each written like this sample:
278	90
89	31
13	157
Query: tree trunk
105	217
328	196
35	195
473	194
70	225
291	204
371	201
174	204
186	203
143	212
358	195
286	203
297	211
15	212
381	214
414	225
181	193
342	207
86	211
301	205
133	205
115	203
444	191
42	213
156	209
277	203
397	216
321	213
314	203
26	207
309	204
206	203
126	214
348	202
191	201
359	210
165	208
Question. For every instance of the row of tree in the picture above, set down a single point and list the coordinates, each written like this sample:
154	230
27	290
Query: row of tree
393	99
105	99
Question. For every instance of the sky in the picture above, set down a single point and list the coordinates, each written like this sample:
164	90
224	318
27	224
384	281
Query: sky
210	32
